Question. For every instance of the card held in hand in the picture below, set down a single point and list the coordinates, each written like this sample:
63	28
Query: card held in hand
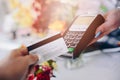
49	48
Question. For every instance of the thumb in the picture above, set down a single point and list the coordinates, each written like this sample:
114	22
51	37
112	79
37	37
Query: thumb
31	59
23	50
103	28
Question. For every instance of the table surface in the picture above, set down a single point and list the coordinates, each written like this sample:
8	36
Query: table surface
98	66
101	67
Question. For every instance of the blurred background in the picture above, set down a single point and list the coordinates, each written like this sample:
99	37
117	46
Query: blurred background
24	22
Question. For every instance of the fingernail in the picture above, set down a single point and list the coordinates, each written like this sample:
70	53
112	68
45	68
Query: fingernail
98	34
23	49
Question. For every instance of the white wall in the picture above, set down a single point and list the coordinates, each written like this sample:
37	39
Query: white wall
3	10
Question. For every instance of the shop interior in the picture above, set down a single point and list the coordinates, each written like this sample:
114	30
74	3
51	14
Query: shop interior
24	22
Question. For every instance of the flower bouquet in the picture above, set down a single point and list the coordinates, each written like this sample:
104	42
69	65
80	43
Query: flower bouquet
43	71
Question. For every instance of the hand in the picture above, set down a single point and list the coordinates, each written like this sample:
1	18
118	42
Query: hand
16	66
112	22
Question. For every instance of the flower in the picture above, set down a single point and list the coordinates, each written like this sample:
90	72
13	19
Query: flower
31	77
45	63
36	67
54	65
43	71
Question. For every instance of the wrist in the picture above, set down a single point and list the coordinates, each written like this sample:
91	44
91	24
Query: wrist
2	74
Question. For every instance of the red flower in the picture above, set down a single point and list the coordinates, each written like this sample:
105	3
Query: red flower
31	77
44	75
36	67
45	68
42	72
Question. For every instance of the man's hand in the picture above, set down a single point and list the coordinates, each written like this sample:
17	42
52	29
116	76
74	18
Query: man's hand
16	66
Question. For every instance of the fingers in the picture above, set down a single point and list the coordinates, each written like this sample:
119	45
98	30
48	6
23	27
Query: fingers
103	28
100	36
31	59
23	50
96	38
23	53
101	31
15	53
